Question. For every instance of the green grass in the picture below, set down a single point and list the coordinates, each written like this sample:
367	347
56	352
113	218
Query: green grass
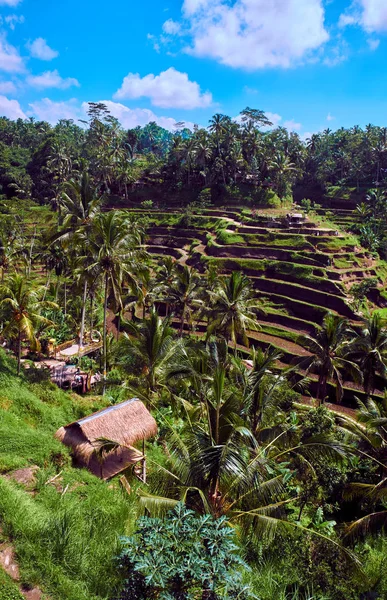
278	332
300	272
65	535
8	589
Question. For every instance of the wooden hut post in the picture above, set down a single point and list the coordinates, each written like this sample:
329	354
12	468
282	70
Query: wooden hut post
143	461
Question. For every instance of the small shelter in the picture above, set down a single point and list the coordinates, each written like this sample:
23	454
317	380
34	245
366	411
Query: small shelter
126	423
295	218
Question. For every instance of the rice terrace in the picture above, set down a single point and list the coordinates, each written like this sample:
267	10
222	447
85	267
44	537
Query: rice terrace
193	300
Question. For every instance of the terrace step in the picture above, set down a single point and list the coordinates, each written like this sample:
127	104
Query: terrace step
301	293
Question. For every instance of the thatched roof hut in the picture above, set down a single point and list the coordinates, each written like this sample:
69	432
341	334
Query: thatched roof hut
126	423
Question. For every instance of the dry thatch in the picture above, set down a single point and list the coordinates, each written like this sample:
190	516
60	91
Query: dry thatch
126	423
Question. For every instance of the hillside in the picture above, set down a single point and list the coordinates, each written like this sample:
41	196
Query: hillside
62	522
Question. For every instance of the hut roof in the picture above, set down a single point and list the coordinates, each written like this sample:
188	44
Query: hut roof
125	423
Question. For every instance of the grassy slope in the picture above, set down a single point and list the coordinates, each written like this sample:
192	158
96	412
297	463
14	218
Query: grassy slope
65	535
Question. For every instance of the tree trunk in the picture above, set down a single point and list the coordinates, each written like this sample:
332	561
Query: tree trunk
105	332
321	389
143	462
82	332
19	346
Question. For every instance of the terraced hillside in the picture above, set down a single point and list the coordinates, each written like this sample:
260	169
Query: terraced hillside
300	272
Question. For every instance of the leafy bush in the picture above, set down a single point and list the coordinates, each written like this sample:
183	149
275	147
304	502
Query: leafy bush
182	556
147	204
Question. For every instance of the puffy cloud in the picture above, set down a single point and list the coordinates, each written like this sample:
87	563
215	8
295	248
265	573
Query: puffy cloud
13	20
292	125
11	109
10	59
40	49
47	110
373	44
170	89
253	34
330	117
172	27
369	14
274	118
51	79
10	2
7	87
131	117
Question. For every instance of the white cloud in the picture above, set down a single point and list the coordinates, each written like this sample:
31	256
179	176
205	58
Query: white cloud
274	118
373	44
13	20
371	15
172	27
131	117
7	87
338	53
10	2
253	34
40	49
10	59
249	90
170	89
11	109
330	117
51	79
47	110
292	125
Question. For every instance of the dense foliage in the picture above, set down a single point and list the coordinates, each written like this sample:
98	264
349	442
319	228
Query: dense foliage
247	443
182	556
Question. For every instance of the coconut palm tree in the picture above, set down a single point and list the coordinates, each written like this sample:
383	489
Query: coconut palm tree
114	244
233	309
184	293
261	384
22	305
152	343
370	433
79	204
329	355
369	351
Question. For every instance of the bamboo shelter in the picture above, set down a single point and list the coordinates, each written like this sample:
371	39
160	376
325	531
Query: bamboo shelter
126	424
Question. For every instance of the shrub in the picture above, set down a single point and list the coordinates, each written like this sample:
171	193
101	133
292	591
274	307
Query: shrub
147	203
182	556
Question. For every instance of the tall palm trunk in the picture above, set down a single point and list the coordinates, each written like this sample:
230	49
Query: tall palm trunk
19	348
321	389
105	332
83	315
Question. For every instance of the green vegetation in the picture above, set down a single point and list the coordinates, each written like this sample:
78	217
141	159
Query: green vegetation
274	493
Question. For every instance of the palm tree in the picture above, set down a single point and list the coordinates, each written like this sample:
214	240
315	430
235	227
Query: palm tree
233	309
370	433
329	355
217	466
151	342
261	384
114	245
184	293
79	205
22	306
369	351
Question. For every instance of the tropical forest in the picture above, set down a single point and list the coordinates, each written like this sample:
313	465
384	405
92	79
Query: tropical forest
193	360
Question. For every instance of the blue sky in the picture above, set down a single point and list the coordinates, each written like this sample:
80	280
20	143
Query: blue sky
310	64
